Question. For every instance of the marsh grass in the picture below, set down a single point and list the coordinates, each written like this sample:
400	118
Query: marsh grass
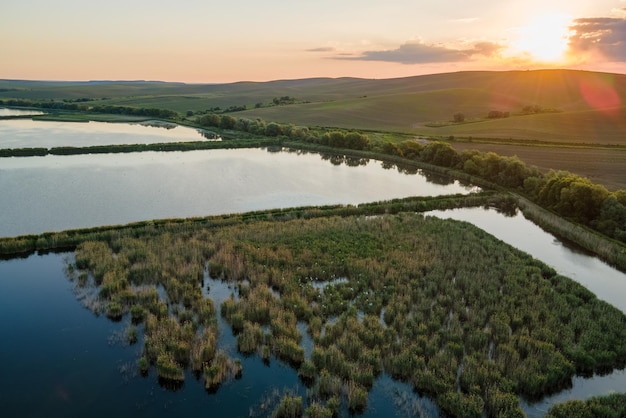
132	334
144	365
307	372
250	339
431	302
317	410
168	368
220	369
290	406
357	397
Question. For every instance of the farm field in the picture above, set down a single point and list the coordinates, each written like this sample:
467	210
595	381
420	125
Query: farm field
601	165
571	108
575	106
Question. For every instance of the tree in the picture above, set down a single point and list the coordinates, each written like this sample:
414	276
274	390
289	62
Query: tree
458	117
227	122
440	153
355	140
497	114
273	129
210	120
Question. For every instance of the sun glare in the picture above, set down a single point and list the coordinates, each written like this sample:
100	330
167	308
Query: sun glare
545	39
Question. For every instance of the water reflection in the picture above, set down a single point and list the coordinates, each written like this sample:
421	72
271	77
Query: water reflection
55	193
406	169
391	398
582	388
157	124
4	112
28	133
210	135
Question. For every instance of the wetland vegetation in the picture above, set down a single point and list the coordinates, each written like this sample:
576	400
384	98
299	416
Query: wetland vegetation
461	317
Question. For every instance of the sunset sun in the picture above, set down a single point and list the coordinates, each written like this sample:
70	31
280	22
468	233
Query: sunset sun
544	39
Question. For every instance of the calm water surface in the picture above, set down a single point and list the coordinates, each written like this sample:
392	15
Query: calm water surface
28	133
18	112
53	193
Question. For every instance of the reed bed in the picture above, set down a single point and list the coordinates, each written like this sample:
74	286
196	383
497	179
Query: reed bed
439	304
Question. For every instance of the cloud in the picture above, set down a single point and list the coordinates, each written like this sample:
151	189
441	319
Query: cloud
321	49
486	49
604	35
421	53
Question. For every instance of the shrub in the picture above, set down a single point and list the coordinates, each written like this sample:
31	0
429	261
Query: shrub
168	369
290	406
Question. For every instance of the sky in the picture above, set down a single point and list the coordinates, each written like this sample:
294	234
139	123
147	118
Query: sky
205	41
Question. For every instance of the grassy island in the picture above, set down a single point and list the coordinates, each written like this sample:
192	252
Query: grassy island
465	319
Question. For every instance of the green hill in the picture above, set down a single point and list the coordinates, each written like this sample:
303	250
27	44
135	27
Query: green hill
568	108
591	106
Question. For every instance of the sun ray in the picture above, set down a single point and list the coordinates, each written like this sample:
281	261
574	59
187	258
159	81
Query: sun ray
545	39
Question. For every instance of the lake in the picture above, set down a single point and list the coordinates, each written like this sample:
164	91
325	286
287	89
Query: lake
53	193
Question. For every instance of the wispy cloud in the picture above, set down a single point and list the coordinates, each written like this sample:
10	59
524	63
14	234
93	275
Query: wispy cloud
422	53
604	35
321	49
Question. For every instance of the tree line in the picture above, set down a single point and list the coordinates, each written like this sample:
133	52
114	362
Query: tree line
571	196
333	138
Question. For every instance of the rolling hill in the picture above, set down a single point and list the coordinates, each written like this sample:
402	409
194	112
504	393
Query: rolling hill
582	111
591	106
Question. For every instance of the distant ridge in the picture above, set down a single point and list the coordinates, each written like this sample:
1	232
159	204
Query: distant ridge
575	105
121	81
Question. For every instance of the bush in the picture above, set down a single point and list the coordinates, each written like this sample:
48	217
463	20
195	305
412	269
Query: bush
290	406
